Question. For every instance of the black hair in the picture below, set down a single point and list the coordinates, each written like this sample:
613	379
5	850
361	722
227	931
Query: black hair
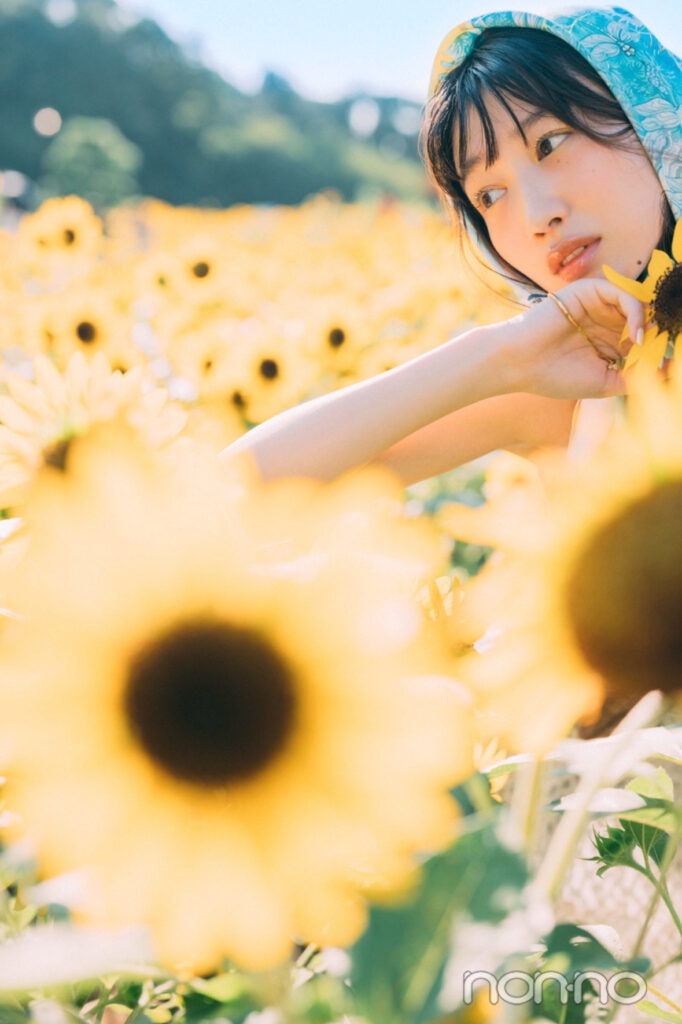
541	71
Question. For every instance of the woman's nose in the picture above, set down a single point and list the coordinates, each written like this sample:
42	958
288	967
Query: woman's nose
545	210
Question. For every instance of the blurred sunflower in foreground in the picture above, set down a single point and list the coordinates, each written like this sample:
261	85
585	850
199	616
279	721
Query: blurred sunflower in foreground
585	590
41	419
237	729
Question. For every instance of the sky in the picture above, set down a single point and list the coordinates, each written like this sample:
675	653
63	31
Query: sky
332	48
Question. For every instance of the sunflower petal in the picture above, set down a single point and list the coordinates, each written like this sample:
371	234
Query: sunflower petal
660	264
640	290
650	352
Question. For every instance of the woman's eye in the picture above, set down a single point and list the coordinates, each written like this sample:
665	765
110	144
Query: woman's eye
546	146
487	197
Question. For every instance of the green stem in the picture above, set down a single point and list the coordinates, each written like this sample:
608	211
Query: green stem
645	925
665	896
653	971
666	1000
660	883
563	844
136	1015
478	790
526	802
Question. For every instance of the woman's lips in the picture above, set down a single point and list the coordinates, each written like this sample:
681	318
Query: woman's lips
572	259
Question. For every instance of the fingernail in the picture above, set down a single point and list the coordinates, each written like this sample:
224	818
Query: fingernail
639	337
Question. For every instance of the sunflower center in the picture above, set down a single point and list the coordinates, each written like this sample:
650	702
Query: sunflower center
624	595
57	454
336	337
201	269
668	301
86	331
269	369
211	703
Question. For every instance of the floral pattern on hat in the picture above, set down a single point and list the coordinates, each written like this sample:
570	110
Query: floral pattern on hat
644	76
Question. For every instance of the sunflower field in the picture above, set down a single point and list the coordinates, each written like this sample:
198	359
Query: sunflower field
319	753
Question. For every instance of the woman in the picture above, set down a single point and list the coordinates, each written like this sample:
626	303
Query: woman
557	142
553	174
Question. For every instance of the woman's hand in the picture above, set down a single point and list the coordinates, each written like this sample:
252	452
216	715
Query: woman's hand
579	355
602	310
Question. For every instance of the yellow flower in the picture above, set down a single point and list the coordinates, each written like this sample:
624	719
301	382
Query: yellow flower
270	373
334	335
227	723
486	757
662	289
444	601
88	319
40	419
582	599
201	275
205	354
64	235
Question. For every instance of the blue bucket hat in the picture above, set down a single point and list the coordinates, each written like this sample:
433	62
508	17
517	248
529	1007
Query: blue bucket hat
643	75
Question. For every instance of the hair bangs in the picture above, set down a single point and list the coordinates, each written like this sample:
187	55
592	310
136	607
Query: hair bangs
526	68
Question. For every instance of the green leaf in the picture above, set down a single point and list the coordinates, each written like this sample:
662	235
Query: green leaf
232	993
658	792
473	796
223	988
570	951
657	812
581	951
646	1006
507	767
653	842
19	915
14	1015
398	964
658	786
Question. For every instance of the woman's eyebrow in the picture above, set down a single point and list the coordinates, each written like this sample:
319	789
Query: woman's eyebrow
522	123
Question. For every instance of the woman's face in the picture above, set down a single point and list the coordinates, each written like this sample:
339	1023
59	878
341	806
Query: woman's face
557	205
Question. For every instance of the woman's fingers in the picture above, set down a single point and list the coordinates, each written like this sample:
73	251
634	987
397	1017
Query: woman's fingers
631	309
606	313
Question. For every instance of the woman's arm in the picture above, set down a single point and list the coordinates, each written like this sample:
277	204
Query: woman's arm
520	423
538	352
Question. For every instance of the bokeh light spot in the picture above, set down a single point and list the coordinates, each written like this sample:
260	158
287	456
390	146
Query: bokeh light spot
47	121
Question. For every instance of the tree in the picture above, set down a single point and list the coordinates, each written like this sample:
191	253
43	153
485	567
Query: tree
92	158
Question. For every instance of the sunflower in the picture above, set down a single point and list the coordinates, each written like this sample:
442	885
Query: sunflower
270	373
662	291
335	334
243	744
64	235
204	352
40	419
582	598
201	274
88	319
